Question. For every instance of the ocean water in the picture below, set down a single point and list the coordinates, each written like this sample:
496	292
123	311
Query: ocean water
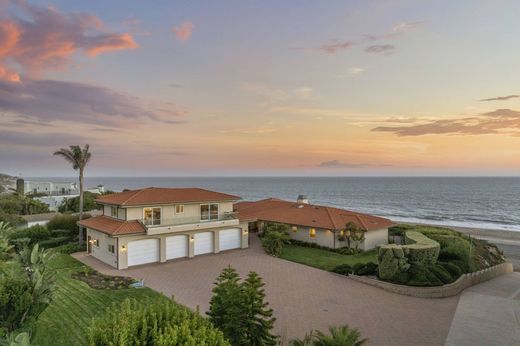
480	202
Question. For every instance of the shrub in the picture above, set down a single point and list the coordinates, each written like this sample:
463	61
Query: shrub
343	269
441	273
451	268
35	233
71	205
69	248
53	242
66	222
15	299
422	249
152	322
463	265
420	275
274	241
365	269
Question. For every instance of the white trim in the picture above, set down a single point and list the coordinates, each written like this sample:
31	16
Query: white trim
160	220
179	205
209	211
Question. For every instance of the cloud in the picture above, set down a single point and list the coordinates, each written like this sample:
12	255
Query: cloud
184	31
355	70
340	164
501	98
278	94
500	121
335	47
385	49
50	100
396	31
42	39
39	139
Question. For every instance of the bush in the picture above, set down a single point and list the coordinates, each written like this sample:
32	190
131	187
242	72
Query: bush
65	222
365	269
274	241
61	233
35	233
441	273
15	299
69	248
53	242
420	275
71	205
343	269
152	322
451	268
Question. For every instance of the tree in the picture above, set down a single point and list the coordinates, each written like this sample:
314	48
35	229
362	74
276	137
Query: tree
339	336
353	232
259	319
72	204
226	306
239	310
78	158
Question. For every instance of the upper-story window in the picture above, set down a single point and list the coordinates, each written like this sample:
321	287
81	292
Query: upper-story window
113	211
209	211
152	216
179	209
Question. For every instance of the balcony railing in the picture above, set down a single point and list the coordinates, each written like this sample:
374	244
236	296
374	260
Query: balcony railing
175	221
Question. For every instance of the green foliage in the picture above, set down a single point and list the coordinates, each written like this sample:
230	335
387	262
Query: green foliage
343	269
274	241
34	233
17	339
15	299
392	260
68	248
453	269
338	336
365	269
16	204
341	250
152	322
240	311
422	249
64	221
54	242
15	220
275	227
71	205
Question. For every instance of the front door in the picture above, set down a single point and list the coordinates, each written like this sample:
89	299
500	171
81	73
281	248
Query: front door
89	245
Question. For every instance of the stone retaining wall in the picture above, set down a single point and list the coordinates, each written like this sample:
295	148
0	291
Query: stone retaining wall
465	281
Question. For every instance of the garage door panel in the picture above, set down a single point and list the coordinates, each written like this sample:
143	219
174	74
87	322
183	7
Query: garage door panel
176	246
230	239
203	243
143	251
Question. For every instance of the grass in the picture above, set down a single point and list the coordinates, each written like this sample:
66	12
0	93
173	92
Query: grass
67	318
324	259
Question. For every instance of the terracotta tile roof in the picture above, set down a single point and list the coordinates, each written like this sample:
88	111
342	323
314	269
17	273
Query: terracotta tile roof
160	195
112	226
310	215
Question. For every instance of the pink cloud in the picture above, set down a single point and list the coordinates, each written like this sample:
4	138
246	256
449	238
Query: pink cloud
184	31
45	39
334	47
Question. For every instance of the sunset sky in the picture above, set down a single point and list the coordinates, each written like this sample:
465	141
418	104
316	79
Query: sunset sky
233	88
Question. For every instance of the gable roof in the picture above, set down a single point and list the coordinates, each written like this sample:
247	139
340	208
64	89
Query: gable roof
277	210
161	195
113	226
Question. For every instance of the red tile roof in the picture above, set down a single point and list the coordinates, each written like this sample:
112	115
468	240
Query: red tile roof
277	210
113	226
160	195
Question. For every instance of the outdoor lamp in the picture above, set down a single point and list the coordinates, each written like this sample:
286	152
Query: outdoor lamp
123	248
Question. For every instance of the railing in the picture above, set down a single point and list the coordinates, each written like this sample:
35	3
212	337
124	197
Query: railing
174	221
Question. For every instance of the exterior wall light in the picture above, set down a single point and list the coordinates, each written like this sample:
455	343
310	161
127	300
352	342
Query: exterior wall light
123	248
191	238
312	232
294	228
246	231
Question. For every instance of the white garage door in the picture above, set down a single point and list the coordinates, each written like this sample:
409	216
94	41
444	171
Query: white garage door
176	247
229	239
143	251
203	243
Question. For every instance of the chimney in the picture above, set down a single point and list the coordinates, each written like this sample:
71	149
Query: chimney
302	199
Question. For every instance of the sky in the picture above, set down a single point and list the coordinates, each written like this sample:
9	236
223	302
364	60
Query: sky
256	88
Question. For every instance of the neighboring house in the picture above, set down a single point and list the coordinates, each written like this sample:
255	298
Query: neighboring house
317	224
160	224
50	188
55	200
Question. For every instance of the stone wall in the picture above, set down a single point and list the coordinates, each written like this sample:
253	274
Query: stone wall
465	281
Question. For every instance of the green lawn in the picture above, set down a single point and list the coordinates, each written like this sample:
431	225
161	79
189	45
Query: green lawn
67	318
324	259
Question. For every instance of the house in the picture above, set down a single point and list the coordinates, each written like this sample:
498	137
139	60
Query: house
160	224
324	226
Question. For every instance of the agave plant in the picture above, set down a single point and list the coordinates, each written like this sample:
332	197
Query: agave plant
339	336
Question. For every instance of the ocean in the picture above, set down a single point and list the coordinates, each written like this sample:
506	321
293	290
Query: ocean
479	202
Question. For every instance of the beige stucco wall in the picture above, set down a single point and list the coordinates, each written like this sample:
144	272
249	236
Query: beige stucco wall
124	240
101	252
323	237
375	238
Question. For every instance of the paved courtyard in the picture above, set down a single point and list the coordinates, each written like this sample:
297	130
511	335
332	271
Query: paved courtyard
303	298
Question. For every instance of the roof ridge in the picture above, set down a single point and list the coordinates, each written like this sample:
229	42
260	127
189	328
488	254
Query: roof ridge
331	218
136	194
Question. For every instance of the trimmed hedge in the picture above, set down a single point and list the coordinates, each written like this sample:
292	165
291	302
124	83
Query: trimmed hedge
365	269
53	242
419	249
153	322
343	269
341	250
35	233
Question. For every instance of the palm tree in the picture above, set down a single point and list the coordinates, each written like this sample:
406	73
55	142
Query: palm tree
339	336
78	158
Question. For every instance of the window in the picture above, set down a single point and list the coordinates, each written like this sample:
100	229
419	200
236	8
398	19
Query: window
113	211
209	212
312	233
179	209
111	248
152	216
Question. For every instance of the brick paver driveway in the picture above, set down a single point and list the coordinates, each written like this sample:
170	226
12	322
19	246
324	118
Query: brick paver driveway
303	298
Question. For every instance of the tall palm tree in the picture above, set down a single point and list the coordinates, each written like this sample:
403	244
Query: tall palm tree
78	158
